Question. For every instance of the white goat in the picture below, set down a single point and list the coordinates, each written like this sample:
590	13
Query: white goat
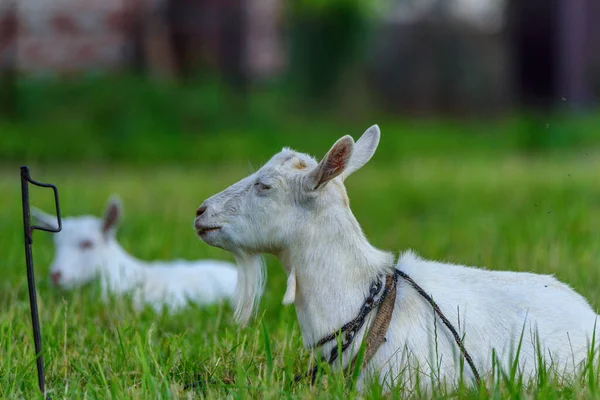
298	210
86	248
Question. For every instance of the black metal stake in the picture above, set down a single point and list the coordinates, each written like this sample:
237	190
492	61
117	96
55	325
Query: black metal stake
28	230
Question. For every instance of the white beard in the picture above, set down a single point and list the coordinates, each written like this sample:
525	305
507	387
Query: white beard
250	286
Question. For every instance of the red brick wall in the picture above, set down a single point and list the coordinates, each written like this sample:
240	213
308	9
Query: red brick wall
69	35
88	35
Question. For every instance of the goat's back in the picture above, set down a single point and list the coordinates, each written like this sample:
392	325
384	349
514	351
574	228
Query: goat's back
176	283
494	311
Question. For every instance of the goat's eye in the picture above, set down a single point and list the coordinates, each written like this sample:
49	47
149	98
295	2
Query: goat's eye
262	186
86	244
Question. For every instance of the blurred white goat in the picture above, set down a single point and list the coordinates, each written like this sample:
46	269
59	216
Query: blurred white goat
297	208
87	249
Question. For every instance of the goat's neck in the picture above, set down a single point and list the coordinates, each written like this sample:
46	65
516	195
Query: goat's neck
334	267
121	271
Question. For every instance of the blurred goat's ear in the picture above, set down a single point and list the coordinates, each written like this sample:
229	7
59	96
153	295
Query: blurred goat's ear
364	149
332	165
43	219
112	214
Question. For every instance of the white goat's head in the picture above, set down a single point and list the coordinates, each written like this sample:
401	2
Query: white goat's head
82	246
278	205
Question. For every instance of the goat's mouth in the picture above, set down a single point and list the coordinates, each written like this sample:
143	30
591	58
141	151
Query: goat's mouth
203	230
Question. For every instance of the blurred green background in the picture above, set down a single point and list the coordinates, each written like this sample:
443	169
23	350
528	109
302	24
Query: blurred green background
204	82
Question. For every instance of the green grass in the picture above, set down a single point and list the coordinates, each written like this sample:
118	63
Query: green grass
500	211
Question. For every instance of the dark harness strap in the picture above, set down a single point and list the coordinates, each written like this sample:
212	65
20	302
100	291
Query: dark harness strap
375	337
437	310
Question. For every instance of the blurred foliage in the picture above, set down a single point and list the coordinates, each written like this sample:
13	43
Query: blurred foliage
129	120
319	6
326	38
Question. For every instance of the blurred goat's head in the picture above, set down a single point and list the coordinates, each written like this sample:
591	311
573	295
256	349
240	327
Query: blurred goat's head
82	246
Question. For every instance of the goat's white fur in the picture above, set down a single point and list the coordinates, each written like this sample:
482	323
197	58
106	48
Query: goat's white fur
86	248
298	210
250	284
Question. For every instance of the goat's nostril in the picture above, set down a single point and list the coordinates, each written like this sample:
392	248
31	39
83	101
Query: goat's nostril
55	277
200	210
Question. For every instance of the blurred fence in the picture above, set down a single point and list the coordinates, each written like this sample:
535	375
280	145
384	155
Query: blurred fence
423	56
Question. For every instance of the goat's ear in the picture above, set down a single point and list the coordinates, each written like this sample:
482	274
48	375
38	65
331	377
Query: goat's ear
333	164
364	149
112	214
44	219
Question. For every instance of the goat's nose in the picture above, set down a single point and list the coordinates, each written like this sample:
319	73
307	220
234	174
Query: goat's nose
200	210
55	277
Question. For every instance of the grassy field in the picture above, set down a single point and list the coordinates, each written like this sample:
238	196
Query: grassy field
502	211
519	194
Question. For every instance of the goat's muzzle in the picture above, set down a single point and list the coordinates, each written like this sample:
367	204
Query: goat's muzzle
200	210
202	229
